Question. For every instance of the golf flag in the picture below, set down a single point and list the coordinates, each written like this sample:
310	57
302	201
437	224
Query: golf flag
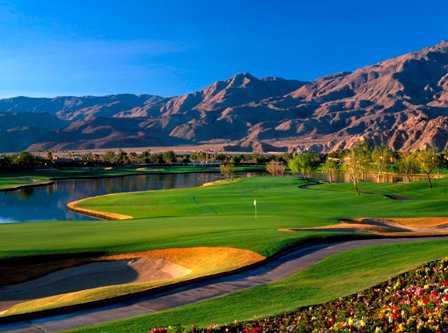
255	208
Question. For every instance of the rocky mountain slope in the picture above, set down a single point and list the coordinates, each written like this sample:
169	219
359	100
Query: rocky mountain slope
401	102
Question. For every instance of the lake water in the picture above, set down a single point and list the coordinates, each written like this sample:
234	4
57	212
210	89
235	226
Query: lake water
49	202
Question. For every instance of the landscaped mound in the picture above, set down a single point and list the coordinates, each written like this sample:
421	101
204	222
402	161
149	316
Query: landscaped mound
416	301
389	227
85	280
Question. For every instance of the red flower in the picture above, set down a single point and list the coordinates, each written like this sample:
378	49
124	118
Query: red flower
419	291
158	330
395	315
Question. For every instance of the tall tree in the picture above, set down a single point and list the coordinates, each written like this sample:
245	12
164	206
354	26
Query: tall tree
356	164
226	169
382	158
304	163
275	168
25	160
407	164
109	157
427	161
330	167
169	157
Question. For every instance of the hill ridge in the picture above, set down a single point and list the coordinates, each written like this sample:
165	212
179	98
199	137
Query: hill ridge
401	102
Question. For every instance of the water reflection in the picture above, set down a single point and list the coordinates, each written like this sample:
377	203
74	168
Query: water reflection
49	202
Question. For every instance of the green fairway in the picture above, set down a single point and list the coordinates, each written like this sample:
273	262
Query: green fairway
221	216
280	197
336	276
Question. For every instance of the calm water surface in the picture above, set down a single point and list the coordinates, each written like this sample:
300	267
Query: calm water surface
49	202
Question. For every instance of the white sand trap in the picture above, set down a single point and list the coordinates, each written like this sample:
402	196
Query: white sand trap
92	275
75	281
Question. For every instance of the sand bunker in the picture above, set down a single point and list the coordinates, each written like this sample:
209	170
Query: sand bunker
74	206
220	182
93	275
390	227
88	279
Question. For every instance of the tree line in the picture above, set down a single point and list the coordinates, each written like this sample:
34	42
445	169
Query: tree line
361	160
120	158
356	163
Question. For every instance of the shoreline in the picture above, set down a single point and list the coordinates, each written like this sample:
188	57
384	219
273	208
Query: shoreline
135	172
19	187
72	205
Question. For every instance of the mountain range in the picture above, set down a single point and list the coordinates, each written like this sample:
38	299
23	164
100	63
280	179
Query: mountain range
401	102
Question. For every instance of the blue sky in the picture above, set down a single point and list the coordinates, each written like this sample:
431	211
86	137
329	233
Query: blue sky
171	47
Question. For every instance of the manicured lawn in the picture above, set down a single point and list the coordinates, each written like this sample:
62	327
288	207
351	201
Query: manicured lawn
336	276
221	216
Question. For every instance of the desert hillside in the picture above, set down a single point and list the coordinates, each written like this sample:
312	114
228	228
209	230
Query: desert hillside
401	102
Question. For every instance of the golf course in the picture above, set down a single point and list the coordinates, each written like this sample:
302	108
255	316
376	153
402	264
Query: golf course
178	235
224	167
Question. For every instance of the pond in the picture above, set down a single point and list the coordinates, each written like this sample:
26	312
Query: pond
49	202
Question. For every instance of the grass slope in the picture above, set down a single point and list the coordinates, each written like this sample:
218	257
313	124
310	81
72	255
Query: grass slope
336	276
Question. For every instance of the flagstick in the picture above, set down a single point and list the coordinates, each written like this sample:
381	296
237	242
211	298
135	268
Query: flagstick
255	208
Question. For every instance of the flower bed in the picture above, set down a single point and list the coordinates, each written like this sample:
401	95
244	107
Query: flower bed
416	301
